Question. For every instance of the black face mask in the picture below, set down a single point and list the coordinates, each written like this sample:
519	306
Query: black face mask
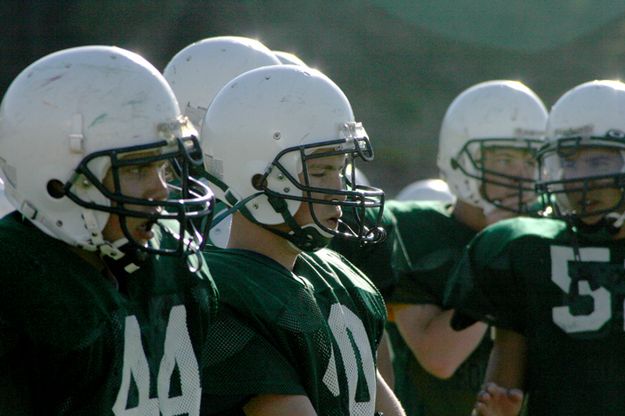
352	197
188	207
129	259
475	168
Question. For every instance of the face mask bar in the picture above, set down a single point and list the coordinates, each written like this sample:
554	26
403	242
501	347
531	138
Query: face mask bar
554	192
189	202
476	170
355	197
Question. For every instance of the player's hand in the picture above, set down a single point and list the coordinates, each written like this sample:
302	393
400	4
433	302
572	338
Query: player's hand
494	400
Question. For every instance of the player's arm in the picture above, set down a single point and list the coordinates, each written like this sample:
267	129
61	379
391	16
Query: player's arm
385	400
279	405
438	348
504	382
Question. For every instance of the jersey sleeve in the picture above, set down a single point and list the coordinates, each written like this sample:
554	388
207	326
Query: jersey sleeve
239	363
433	242
425	283
482	287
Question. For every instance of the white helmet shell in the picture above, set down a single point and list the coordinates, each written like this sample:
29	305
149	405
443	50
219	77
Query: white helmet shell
64	107
5	205
287	58
261	113
200	70
427	190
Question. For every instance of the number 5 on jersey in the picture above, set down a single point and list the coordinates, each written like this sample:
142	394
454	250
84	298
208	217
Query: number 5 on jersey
601	297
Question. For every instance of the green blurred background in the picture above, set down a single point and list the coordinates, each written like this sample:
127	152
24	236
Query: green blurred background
399	62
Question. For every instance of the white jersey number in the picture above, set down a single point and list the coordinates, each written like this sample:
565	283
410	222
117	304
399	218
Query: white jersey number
357	358
177	352
602	311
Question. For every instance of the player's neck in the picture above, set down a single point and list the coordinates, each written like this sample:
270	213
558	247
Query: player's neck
90	257
249	236
94	260
470	215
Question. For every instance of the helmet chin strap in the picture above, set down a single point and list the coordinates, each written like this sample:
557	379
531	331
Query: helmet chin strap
309	237
614	221
120	256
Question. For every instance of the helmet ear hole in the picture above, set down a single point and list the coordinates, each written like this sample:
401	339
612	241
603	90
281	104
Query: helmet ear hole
259	182
55	188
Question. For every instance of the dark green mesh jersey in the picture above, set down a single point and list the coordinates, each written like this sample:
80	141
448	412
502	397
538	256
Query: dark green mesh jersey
523	274
71	344
313	331
434	241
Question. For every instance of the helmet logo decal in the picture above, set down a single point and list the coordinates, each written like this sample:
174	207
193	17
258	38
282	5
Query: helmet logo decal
583	131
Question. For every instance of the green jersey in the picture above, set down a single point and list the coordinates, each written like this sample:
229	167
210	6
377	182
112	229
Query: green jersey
565	294
434	242
312	331
380	262
72	344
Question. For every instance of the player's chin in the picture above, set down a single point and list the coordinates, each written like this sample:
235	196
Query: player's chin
592	219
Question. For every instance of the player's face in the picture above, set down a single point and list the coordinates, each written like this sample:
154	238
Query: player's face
511	162
146	181
588	162
326	172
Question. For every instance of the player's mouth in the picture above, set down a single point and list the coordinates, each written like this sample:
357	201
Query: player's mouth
143	231
333	221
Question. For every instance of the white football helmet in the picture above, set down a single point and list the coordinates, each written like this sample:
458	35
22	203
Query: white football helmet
199	71
490	114
257	135
427	190
589	117
288	58
72	116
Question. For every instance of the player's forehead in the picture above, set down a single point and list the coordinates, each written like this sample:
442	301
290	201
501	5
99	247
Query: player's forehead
592	152
507	151
140	155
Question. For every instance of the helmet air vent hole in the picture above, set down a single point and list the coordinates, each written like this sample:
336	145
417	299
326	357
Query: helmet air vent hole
258	182
55	189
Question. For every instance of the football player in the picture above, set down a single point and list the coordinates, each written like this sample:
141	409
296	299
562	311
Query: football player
198	72
303	323
104	307
487	146
553	288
